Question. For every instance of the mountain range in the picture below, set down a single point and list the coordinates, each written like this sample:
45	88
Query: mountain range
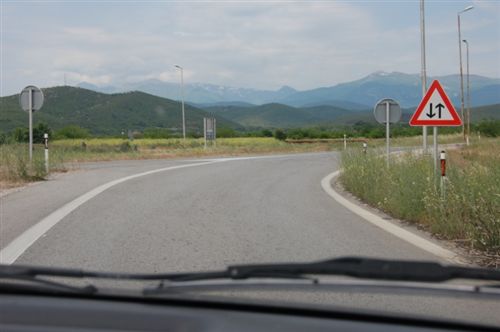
110	114
283	116
356	95
105	114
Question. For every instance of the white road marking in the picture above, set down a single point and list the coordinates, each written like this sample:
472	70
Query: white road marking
387	226
20	244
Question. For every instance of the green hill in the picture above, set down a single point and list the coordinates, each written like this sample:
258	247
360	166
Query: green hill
484	112
104	114
283	116
279	115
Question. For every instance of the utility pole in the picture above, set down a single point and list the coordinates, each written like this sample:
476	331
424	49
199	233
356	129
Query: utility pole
182	102
461	69
423	74
468	92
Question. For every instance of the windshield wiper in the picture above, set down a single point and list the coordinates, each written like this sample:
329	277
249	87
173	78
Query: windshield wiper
369	268
366	268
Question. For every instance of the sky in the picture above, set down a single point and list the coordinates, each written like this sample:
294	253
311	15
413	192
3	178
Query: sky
251	44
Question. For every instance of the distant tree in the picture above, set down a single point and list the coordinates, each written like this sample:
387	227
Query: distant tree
157	133
280	135
266	133
39	130
226	132
71	131
376	133
20	134
489	128
3	138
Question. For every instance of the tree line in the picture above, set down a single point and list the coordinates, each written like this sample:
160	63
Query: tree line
489	128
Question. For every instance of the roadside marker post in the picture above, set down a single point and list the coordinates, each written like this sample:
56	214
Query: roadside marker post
345	142
387	111
365	147
442	159
436	110
46	143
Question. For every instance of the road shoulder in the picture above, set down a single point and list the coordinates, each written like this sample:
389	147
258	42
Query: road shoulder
407	231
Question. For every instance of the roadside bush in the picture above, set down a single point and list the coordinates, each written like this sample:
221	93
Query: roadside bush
279	135
224	132
157	133
490	128
72	131
266	133
15	164
125	147
21	134
3	138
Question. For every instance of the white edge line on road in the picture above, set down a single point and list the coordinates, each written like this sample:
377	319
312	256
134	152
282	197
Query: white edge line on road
388	226
19	245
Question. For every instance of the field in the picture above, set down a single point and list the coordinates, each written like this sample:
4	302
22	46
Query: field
15	168
468	211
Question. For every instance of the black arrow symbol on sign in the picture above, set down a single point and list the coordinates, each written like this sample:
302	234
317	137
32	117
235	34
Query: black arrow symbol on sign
431	114
439	107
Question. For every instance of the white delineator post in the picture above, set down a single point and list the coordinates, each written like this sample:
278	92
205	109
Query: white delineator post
387	148
30	114
215	132
205	131
345	141
442	158
46	142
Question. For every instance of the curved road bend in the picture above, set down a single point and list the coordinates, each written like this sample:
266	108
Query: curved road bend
268	209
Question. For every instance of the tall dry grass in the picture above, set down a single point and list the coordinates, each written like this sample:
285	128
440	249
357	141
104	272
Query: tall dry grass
409	189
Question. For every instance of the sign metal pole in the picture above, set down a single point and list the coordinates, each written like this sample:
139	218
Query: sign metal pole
435	141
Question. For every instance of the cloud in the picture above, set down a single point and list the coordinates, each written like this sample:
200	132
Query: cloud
259	45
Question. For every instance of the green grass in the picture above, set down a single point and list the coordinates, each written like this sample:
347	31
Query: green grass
16	169
409	190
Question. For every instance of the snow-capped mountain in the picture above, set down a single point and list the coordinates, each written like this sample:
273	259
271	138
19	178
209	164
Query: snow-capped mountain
358	94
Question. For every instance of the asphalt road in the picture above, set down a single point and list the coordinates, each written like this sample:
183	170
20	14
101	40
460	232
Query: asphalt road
268	209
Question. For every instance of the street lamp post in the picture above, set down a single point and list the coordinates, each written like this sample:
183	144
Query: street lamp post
182	102
461	70
423	73
468	91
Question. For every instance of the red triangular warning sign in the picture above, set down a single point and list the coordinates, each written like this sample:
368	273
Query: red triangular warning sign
435	109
